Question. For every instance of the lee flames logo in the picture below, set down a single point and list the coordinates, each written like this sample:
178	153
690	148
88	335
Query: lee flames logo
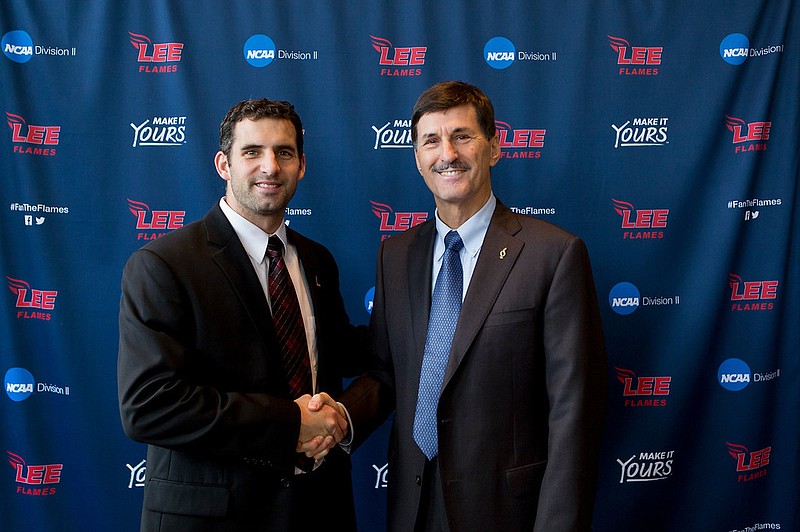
636	60
748	137
643	391
153	56
148	220
640	223
31	139
752	295
519	143
35	480
749	465
396	221
399	61
32	303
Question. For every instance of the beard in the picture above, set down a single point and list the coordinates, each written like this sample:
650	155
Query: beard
249	199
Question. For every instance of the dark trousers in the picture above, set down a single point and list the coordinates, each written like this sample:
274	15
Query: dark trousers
431	516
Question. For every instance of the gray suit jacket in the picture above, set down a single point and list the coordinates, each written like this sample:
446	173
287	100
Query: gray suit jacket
522	404
200	381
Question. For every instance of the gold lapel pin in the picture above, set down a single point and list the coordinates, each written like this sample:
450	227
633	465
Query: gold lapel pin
503	253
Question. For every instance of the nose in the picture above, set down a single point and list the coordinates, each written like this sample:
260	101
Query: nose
269	164
448	153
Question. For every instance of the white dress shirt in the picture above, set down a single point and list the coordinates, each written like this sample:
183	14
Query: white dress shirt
255	242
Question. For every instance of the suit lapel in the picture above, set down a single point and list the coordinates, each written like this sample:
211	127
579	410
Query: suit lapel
420	259
231	257
498	254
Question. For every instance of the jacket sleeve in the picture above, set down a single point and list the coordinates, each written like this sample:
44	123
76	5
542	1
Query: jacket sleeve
164	397
576	388
371	398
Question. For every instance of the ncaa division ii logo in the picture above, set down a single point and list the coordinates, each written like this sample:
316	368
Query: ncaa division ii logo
734	374
499	53
624	298
18	46
734	48
259	50
19	384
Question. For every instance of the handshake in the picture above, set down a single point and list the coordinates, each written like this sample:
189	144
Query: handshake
323	424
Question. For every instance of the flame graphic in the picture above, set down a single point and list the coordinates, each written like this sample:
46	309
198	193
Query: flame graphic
623	374
734	279
15	459
137	40
15	285
502	125
621	206
137	206
378	208
380	42
13	119
734	449
732	122
616	43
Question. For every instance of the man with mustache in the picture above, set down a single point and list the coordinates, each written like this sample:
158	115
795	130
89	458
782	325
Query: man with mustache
489	347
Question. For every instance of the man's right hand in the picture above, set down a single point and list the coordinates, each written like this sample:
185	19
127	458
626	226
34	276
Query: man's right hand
323	424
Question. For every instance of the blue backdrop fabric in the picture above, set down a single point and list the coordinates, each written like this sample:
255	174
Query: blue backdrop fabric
665	134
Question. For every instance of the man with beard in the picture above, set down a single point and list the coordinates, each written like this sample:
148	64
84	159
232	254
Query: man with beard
227	327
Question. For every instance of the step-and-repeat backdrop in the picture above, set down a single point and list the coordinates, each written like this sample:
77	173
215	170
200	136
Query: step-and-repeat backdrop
665	134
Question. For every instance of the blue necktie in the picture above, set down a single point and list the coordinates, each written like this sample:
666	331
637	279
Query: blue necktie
445	307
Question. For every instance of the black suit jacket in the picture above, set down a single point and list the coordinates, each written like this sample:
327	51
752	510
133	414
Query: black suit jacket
200	381
521	409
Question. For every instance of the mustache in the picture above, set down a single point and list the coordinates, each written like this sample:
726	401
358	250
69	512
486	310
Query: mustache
455	165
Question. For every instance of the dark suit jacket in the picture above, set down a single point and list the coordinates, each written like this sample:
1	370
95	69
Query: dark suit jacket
521	409
200	381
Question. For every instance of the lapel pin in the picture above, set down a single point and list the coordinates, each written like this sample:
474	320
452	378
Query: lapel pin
503	253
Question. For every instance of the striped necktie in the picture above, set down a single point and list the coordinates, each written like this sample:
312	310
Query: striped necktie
288	321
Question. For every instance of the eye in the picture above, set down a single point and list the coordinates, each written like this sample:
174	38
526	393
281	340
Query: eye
285	154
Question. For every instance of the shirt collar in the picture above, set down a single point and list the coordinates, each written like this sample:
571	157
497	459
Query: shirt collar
471	232
252	237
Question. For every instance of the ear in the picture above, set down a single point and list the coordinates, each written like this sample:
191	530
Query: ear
494	145
221	164
302	171
416	160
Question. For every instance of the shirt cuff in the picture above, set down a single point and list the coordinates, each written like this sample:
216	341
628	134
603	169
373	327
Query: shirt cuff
347	442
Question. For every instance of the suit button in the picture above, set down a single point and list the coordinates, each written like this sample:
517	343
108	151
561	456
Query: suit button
419	480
